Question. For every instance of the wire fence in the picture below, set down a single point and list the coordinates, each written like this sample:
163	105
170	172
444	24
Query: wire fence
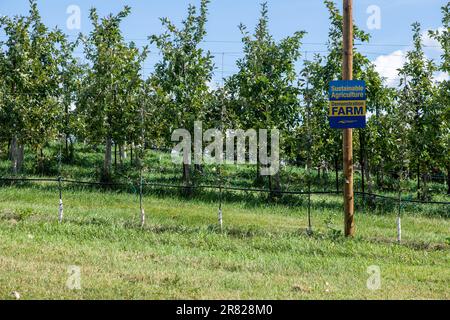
217	187
141	185
165	186
365	198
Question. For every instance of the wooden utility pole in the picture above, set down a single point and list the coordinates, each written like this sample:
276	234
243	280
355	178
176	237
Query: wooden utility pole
347	74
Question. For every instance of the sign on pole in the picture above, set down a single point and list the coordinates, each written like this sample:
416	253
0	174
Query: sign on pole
347	104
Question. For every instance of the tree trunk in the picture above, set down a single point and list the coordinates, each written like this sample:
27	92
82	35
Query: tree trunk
275	186
131	154
259	180
425	177
71	149
138	159
418	179
139	155
67	147
21	155
13	156
40	161
187	179
198	168
17	155
9	150
107	163
115	155
121	154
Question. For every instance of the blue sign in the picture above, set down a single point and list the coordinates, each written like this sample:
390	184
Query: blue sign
347	104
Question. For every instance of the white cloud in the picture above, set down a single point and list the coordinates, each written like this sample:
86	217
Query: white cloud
387	66
213	85
430	42
441	76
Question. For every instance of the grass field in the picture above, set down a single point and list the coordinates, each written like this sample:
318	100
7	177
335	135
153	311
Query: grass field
263	252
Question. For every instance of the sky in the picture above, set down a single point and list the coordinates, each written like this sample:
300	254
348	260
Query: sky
387	21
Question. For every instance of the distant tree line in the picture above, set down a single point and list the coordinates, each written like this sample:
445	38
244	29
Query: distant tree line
47	94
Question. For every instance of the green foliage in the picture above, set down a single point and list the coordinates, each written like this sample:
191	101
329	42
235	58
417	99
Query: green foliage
111	88
263	93
421	112
31	64
444	37
47	94
444	89
179	87
110	99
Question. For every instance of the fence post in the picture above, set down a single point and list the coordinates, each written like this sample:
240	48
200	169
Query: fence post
308	172
399	219
141	205
220	208
61	207
141	164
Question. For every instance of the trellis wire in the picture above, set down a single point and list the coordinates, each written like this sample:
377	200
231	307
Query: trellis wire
231	188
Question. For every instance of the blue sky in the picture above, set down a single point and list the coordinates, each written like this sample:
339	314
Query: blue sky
387	48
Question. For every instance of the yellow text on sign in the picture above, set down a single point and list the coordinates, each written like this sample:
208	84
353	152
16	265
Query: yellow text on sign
347	108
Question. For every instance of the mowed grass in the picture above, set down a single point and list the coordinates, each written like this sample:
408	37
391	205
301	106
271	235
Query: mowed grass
263	251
